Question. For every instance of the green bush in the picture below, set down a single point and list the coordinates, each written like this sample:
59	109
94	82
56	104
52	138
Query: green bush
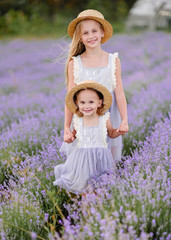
14	22
18	23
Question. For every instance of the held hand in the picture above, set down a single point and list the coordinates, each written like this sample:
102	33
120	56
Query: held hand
69	136
74	133
123	128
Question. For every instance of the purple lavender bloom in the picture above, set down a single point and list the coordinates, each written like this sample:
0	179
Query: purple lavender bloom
131	202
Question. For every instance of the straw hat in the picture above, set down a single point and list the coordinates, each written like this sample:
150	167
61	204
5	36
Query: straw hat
94	15
107	97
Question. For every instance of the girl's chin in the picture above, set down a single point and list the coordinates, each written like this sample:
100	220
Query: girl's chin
87	113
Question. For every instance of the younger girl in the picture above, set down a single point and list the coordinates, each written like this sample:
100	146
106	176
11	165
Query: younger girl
87	60
89	100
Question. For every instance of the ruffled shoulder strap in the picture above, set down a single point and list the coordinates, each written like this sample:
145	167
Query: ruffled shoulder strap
77	125
104	118
76	69
113	69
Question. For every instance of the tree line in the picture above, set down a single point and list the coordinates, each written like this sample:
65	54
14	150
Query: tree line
112	9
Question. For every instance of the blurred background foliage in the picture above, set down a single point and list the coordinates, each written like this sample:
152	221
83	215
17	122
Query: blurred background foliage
51	17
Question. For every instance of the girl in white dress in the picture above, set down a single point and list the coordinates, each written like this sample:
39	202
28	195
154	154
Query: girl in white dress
87	60
89	100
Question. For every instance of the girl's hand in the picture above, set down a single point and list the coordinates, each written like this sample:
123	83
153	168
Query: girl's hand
123	128
69	136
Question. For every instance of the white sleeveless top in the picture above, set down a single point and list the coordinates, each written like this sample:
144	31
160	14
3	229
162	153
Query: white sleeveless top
91	137
103	75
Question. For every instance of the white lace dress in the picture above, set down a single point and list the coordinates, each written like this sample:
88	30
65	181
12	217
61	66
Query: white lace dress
105	76
90	156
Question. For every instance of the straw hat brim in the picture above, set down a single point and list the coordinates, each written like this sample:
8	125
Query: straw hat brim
108	30
107	97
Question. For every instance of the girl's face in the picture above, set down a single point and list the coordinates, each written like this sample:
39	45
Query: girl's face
91	33
88	101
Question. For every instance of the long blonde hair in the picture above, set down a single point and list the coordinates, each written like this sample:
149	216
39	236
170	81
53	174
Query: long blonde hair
76	47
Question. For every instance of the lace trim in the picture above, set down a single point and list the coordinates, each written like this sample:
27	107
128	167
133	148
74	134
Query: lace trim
76	124
113	71
76	70
104	128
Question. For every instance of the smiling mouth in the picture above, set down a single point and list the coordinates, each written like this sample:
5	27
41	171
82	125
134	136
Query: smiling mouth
92	41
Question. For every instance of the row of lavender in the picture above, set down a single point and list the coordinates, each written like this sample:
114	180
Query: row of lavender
133	203
32	94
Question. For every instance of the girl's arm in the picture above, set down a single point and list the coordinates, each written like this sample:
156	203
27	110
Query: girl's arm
120	99
68	135
113	133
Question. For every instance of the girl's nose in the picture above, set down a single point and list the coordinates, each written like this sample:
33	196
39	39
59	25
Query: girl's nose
90	35
87	105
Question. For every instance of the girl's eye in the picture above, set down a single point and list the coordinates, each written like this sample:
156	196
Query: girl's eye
82	102
91	102
84	33
95	30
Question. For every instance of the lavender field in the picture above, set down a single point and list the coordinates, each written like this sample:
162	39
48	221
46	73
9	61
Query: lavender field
133	203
